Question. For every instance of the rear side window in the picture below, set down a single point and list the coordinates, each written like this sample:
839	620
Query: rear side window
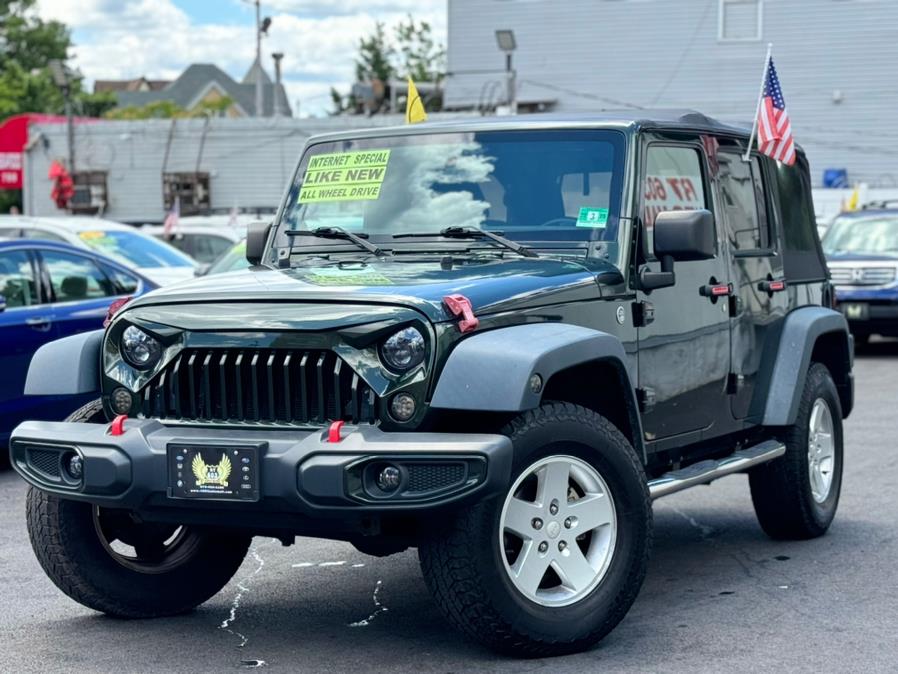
673	182
17	283
43	234
742	202
76	278
802	256
124	284
207	249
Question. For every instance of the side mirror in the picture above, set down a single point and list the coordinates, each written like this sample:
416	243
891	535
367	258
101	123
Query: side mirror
683	236
201	269
256	240
2	303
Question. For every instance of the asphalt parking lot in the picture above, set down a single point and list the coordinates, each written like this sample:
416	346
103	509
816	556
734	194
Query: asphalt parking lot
719	595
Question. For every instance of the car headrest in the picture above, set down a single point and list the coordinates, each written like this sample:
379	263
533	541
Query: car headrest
74	286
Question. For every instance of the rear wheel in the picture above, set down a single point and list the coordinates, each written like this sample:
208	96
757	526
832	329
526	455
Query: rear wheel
111	561
555	563
796	496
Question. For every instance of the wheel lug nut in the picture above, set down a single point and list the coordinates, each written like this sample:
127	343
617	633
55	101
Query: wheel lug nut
543	546
568	522
561	546
537	523
553	508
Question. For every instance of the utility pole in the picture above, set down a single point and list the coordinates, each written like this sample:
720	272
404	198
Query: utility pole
506	41
62	79
277	103
259	100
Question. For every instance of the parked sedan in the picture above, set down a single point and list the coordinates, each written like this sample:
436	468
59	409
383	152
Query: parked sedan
50	290
862	254
148	256
203	243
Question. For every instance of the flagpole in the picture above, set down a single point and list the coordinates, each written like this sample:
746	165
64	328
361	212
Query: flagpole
754	126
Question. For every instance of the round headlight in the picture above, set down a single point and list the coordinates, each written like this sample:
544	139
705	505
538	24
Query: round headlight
403	350
139	349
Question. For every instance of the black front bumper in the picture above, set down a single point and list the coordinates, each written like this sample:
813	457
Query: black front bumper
302	476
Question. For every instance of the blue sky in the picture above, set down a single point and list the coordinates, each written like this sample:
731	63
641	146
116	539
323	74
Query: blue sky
117	39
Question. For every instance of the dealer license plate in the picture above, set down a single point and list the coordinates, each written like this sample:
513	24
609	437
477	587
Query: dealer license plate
214	472
855	311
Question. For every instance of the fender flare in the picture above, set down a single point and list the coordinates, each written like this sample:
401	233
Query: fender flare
67	366
491	371
787	357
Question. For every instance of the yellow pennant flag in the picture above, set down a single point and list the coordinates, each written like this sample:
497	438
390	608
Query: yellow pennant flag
854	200
414	106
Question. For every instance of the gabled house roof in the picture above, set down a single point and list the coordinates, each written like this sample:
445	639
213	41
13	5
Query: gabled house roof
189	88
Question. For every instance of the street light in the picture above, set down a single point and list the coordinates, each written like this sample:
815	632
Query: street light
262	26
62	78
506	42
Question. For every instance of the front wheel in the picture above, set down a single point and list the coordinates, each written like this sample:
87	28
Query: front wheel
111	561
553	565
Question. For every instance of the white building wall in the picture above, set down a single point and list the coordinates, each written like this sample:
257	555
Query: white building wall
609	54
249	160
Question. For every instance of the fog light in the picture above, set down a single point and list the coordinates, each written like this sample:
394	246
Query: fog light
389	478
402	406
74	466
121	400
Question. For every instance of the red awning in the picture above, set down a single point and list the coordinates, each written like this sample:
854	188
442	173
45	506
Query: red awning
13	138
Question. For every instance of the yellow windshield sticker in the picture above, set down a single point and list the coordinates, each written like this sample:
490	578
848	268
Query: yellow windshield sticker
87	236
344	176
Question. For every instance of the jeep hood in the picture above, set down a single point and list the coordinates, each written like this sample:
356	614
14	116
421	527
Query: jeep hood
491	284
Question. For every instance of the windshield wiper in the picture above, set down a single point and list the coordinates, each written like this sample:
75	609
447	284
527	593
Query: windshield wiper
472	233
338	233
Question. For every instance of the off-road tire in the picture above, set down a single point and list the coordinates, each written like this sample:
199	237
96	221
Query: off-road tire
68	547
781	489
461	557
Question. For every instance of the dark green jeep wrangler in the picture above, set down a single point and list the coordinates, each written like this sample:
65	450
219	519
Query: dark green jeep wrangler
495	340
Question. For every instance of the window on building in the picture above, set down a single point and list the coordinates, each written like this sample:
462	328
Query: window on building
740	20
90	192
742	202
191	190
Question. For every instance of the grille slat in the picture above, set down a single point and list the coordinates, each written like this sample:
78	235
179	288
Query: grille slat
863	276
280	386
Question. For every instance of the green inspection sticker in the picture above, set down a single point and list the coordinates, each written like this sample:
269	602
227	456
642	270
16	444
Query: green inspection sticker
347	277
592	217
344	176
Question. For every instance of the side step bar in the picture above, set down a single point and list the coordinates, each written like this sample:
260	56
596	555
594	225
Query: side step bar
704	472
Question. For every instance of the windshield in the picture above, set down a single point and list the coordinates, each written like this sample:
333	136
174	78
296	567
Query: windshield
535	186
233	260
133	249
862	235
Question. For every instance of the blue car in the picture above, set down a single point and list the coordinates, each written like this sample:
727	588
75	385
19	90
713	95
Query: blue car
50	290
862	254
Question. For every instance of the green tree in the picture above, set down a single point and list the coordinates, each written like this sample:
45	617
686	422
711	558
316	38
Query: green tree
154	110
375	58
96	104
410	50
27	45
418	54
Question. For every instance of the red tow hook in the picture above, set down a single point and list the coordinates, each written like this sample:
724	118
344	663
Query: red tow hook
333	432
117	427
459	305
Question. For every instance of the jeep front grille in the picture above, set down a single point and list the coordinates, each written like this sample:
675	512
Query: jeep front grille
258	385
865	276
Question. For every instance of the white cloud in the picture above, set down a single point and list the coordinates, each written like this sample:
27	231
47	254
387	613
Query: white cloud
118	40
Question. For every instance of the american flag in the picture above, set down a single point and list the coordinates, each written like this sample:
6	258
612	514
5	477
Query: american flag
171	219
774	128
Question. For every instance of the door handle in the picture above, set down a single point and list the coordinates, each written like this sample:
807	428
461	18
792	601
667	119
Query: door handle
771	286
716	290
41	324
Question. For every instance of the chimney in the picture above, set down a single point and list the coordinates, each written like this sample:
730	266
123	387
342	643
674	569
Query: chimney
277	104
